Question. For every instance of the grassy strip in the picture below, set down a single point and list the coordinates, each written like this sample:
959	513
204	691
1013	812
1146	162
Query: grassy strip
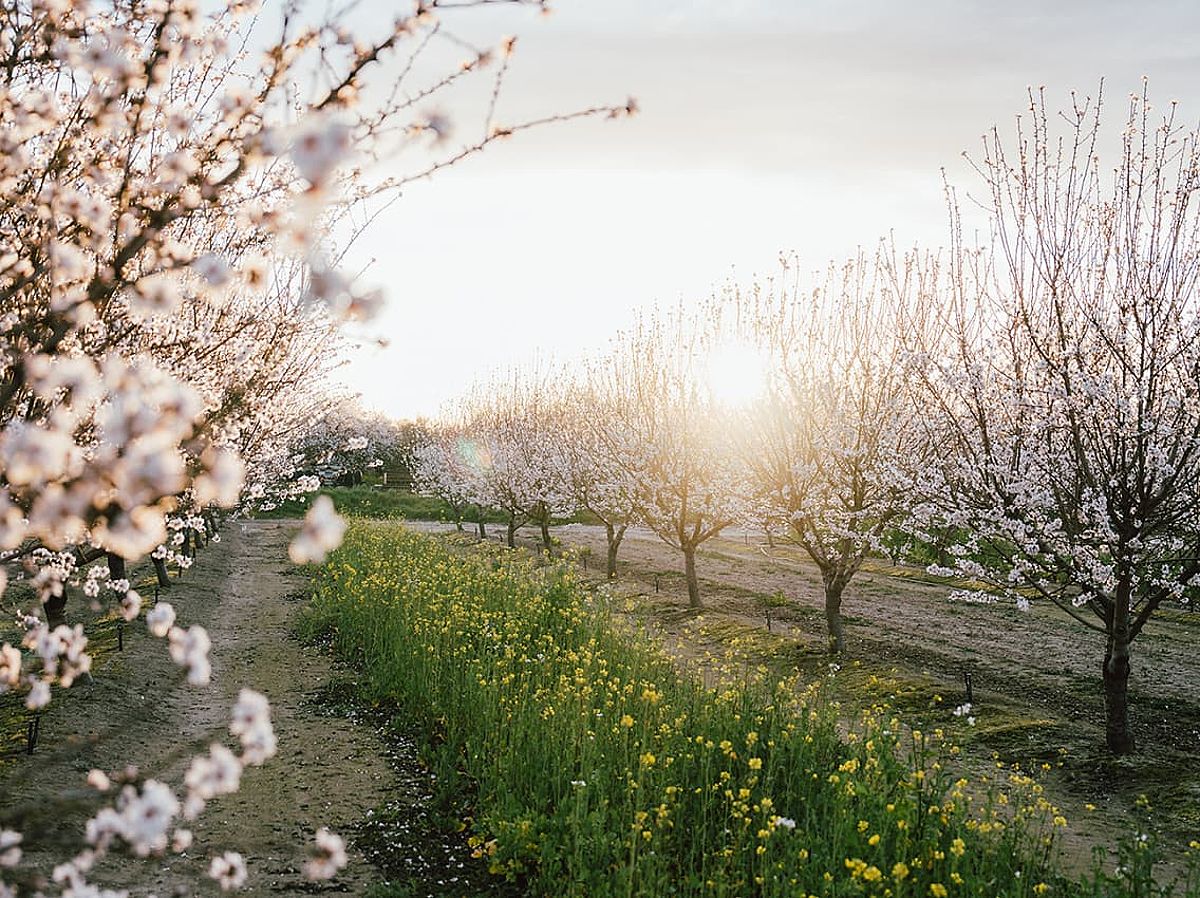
370	502
381	503
600	769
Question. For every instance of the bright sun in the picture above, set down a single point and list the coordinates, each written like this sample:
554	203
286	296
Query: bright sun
736	373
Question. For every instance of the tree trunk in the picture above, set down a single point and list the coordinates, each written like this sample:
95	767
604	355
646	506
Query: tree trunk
547	542
689	571
160	571
56	609
512	532
614	535
482	528
1119	736
116	567
833	612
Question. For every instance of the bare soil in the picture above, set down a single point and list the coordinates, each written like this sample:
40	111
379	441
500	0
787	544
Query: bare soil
330	770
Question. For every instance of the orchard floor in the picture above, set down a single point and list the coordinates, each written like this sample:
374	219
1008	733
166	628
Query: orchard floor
1036	675
1037	702
330	770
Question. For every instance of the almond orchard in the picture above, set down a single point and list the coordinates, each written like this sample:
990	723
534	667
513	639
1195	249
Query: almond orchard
1014	416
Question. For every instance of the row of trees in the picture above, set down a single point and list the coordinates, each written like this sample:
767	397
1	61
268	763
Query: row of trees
1027	403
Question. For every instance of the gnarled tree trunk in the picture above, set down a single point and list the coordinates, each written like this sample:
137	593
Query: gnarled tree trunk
1118	734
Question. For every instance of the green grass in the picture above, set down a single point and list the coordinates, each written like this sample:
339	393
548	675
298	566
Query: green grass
373	502
601	768
379	503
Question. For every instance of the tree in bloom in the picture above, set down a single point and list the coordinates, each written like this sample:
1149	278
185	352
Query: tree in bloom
346	442
511	447
445	466
830	444
150	168
667	439
586	423
1058	367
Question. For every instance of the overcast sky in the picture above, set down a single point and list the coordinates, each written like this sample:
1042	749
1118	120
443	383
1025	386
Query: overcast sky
766	126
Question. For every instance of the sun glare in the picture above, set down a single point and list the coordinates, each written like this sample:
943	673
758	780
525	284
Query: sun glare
736	373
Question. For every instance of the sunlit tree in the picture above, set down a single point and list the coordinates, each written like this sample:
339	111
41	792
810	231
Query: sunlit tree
667	437
445	466
587	425
511	450
1060	367
830	444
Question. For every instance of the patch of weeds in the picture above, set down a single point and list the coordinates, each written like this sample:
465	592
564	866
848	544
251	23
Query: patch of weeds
756	645
1176	804
1190	619
1016	738
314	628
907	695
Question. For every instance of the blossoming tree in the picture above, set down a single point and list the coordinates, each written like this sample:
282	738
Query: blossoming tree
152	156
445	467
830	446
1059	365
666	441
587	423
512	448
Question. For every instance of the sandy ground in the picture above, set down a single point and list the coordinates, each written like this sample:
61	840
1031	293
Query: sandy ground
329	771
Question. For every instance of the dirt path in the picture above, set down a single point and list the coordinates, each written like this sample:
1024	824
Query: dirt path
329	770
